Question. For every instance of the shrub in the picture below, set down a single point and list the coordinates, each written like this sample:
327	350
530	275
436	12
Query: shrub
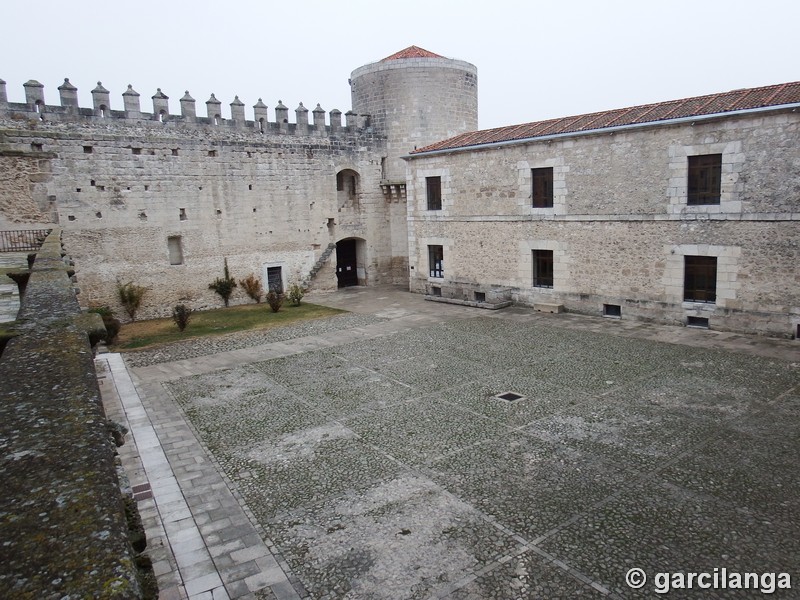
274	300
130	296
111	323
181	315
252	287
224	285
296	294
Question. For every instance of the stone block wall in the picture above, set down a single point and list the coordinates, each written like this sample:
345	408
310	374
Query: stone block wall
127	191
620	227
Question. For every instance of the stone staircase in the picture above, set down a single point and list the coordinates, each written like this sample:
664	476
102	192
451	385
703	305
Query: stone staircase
306	283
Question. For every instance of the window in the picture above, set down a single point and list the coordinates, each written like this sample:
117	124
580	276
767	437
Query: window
275	280
175	250
136	151
705	175
543	268
542	192
612	310
87	149
433	186
436	260
183	216
700	279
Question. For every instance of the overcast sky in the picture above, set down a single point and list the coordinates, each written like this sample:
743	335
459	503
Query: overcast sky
536	60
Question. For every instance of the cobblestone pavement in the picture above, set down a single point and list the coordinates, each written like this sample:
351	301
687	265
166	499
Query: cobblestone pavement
376	462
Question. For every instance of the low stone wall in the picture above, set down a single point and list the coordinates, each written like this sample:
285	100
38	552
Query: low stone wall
62	520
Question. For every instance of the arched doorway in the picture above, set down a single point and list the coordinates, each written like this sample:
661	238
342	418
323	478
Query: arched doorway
351	262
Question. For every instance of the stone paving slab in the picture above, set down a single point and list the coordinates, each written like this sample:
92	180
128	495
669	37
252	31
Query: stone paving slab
376	464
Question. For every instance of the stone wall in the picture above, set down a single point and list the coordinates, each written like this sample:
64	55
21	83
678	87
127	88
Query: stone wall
620	225
122	188
22	178
62	520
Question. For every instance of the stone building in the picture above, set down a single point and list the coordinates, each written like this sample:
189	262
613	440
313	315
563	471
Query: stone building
682	212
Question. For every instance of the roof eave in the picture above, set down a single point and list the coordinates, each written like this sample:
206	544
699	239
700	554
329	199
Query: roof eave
541	138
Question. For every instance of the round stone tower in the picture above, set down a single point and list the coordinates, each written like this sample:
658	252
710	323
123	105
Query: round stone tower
415	98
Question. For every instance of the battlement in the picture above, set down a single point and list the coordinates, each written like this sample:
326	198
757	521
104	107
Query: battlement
101	111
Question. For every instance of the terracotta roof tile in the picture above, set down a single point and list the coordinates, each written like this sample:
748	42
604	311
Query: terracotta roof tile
773	95
412	52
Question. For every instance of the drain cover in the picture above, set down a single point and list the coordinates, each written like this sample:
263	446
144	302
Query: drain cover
509	396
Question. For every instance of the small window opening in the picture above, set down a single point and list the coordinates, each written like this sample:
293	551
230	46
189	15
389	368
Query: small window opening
174	152
436	291
433	188
212	153
103	111
183	216
436	261
88	149
254	209
480	296
77	189
136	150
146	187
92	182
250	187
36	147
142	215
217	119
797	333
101	188
543	268
612	310
98	214
542	187
704	181
200	187
71	217
219	213
697	322
261	125
162	116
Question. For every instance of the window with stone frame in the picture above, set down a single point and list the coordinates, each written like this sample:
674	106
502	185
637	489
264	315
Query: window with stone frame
704	179
700	279
543	268
436	261
542	187
433	188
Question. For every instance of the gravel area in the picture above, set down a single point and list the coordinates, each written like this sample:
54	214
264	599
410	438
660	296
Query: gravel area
246	339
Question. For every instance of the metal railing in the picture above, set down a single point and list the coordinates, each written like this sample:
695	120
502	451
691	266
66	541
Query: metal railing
22	240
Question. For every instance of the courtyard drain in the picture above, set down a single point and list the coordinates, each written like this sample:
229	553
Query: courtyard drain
509	396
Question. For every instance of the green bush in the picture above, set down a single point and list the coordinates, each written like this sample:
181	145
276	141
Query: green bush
252	287
274	300
224	285
296	294
181	315
130	296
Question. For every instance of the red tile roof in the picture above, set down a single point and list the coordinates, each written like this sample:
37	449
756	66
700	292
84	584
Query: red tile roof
412	52
773	95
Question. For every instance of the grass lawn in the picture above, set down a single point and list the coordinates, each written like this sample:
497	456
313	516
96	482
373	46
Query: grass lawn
141	334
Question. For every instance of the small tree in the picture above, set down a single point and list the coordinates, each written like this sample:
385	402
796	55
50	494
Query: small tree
296	294
274	300
181	315
224	285
252	287
130	296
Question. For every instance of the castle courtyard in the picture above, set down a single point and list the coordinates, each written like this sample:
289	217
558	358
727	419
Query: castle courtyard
413	449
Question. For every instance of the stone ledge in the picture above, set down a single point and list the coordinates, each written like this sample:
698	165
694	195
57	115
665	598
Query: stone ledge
485	305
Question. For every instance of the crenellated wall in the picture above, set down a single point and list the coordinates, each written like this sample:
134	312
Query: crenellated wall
137	192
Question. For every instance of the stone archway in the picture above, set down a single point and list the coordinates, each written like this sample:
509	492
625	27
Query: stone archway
351	264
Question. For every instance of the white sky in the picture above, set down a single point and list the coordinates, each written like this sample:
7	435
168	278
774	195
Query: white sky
536	60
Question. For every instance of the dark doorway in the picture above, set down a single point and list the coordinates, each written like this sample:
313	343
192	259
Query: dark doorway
274	280
346	271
